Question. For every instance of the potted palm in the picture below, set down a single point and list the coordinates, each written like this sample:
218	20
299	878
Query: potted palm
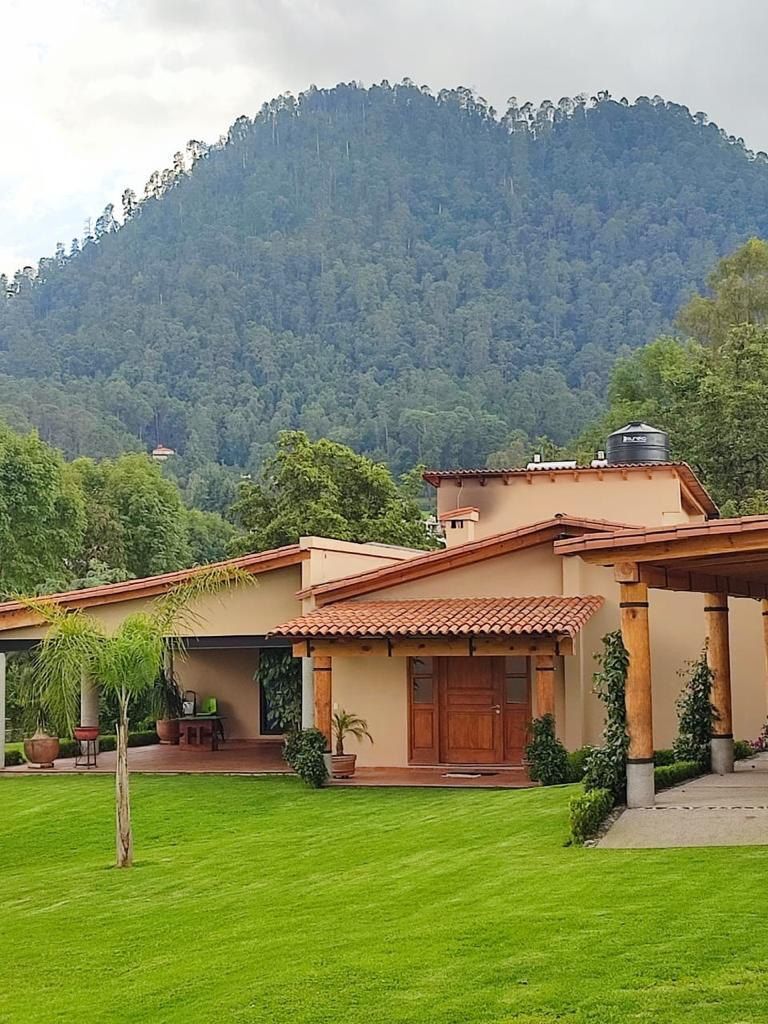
346	724
41	748
166	704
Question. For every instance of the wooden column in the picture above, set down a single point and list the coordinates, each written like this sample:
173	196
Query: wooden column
764	605
544	667
323	680
633	606
719	661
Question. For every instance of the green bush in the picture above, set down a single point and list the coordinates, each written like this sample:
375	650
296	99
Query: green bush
13	757
671	774
546	756
304	752
696	714
663	757
742	749
588	811
606	767
577	763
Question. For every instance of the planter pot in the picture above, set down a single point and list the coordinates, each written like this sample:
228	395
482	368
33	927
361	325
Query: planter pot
86	732
168	730
41	750
328	764
343	765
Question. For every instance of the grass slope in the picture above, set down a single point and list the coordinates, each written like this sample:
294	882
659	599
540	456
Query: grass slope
260	900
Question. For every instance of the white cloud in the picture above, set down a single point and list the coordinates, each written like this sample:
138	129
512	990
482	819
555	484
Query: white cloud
99	93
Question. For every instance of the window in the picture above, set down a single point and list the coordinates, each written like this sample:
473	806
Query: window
422	681
516	673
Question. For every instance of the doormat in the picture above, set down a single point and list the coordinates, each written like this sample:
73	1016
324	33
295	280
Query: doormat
468	775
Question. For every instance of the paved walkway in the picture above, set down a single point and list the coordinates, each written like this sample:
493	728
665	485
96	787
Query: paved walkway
715	810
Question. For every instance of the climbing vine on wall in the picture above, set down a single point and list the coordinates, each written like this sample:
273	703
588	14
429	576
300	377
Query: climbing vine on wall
695	713
279	673
607	765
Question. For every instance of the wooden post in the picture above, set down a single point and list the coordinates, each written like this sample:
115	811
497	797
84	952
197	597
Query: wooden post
323	678
764	605
544	666
719	661
633	606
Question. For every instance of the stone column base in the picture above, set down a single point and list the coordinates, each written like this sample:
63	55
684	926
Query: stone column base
722	754
640	785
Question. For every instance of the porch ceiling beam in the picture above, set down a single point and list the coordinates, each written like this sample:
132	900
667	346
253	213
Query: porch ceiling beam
675	548
659	578
355	647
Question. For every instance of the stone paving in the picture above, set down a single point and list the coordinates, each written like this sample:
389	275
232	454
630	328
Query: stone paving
714	810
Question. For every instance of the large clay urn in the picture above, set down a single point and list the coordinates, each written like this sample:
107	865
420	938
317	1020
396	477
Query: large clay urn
41	750
167	730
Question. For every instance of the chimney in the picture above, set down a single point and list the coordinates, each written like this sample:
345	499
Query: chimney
459	525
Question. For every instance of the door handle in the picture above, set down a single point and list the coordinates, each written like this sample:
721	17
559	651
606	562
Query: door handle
496	708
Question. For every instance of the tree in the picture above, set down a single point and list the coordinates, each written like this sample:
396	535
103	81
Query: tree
125	663
325	489
42	514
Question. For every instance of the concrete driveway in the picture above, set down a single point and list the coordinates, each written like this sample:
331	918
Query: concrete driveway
715	810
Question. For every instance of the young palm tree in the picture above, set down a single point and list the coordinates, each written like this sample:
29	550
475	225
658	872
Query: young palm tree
125	662
346	724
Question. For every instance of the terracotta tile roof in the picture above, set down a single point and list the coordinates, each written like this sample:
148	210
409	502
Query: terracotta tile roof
639	536
684	471
432	562
455	617
149	586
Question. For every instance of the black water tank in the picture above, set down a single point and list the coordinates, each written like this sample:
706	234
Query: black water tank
637	442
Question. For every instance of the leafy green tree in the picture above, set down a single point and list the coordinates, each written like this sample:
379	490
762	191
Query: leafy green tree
209	536
42	514
325	489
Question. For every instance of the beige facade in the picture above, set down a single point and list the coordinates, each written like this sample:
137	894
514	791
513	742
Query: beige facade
230	628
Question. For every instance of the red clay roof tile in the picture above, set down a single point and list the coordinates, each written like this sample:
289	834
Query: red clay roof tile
454	617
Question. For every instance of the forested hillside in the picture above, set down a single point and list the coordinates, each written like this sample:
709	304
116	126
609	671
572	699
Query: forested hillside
414	275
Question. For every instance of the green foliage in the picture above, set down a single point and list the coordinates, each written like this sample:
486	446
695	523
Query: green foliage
279	675
588	811
165	697
13	758
577	763
325	489
668	775
607	765
695	715
344	724
663	757
403	272
304	751
742	750
546	756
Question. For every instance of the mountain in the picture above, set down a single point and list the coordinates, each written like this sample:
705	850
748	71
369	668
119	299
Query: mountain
410	274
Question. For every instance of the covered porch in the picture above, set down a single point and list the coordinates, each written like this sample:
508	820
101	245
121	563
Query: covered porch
446	684
721	560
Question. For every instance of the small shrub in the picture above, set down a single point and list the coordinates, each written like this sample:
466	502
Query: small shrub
577	763
588	811
742	749
13	757
304	752
663	757
667	775
546	756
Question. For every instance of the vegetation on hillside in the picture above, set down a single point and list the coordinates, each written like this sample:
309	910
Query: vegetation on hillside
406	273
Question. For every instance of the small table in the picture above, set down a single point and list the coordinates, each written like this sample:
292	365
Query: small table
197	730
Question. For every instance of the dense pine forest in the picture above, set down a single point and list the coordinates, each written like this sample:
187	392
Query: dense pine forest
414	275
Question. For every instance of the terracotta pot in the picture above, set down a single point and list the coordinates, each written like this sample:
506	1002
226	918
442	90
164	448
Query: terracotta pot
86	732
168	730
41	750
343	765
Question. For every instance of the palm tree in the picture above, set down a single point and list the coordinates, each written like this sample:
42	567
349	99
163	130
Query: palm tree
346	724
125	662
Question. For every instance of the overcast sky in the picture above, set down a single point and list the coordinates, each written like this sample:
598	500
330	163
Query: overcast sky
99	93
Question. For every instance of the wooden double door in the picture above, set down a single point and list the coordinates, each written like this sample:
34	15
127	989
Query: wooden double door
469	711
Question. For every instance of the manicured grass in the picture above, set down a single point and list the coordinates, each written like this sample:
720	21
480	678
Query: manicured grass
259	900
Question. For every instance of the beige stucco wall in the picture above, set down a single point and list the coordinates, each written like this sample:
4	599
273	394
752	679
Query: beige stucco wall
229	676
332	560
645	499
376	689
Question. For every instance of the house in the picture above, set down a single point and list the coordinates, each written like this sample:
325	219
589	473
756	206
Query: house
448	654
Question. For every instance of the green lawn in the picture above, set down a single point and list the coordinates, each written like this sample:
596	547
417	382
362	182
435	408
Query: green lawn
260	900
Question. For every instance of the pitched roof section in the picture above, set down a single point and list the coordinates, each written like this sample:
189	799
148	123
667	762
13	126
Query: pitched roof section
729	530
433	562
150	586
692	483
462	617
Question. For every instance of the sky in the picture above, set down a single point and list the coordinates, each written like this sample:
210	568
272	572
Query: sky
99	93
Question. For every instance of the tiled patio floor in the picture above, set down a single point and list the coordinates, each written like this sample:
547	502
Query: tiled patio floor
264	757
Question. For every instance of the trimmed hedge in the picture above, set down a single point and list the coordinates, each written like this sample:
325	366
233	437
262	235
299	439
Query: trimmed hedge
577	763
664	757
70	748
588	811
670	774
